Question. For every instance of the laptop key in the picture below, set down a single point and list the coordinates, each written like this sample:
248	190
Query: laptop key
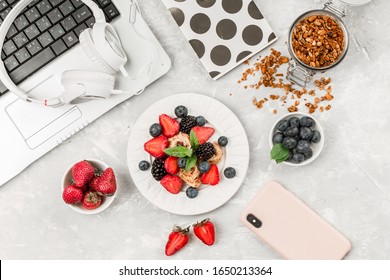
12	31
45	39
82	14
68	23
77	3
20	39
90	22
55	2
11	63
3	5
55	16
111	11
57	31
32	14
70	39
32	31
32	65
44	6
43	23
103	3
79	29
66	8
9	47
21	22
59	47
33	47
22	55
5	12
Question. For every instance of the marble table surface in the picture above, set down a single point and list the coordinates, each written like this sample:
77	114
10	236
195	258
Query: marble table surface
347	185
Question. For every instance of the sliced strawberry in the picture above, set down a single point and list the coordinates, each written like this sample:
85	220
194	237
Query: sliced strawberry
171	165
177	239
172	183
211	177
156	146
205	231
170	127
203	133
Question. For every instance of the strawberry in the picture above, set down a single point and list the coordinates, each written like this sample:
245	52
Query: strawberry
106	184
82	173
171	165
93	183
156	146
171	183
72	195
205	231
91	200
177	239
170	127
211	177
203	133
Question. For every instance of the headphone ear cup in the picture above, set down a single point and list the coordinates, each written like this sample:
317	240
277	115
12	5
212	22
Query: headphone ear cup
89	49
86	84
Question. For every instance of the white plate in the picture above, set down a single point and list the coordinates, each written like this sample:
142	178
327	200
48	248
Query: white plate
236	154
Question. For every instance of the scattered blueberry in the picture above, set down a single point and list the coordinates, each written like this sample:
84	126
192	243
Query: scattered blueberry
316	136
289	142
303	146
282	125
277	138
294	122
181	162
298	158
230	172
201	121
155	130
223	141
144	165
305	133
307	122
308	154
291	131
204	166
181	111
191	192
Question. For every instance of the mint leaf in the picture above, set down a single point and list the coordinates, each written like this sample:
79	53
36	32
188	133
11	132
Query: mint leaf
194	140
279	153
178	151
191	161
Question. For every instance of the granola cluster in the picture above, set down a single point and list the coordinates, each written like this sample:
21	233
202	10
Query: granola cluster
318	41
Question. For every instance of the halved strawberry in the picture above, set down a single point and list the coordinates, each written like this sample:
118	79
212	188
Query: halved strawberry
172	183
171	165
211	177
203	133
156	146
170	127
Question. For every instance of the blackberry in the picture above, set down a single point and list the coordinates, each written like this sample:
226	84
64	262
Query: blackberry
158	169
187	124
205	151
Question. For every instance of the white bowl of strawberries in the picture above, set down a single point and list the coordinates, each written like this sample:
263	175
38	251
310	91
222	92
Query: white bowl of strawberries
89	186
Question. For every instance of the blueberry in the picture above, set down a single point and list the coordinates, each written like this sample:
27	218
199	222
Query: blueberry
181	111
316	136
303	146
294	122
181	162
191	192
229	172
291	131
289	157
201	121
298	158
282	125
155	130
289	142
305	133
204	166
307	121
277	138
144	165
308	154
223	141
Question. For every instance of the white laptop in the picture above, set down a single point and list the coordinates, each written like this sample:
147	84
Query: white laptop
28	131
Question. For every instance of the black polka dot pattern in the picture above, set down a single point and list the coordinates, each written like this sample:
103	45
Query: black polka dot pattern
223	33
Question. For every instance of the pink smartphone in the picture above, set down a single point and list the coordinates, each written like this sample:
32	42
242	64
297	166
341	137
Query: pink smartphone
291	228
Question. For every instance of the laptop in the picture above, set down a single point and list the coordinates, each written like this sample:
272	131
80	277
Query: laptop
28	131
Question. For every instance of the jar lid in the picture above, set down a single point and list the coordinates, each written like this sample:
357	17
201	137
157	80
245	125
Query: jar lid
355	2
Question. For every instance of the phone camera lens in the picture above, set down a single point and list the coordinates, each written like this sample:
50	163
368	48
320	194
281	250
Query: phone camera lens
254	221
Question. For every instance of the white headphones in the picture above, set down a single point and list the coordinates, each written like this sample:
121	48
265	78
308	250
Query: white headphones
102	46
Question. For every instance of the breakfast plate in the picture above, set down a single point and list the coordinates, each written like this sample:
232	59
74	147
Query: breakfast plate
235	155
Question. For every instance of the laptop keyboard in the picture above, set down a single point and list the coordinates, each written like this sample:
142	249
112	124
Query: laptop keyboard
45	30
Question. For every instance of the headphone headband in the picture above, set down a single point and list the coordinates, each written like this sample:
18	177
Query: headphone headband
5	26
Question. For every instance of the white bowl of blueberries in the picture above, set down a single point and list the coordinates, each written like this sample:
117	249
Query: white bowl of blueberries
296	139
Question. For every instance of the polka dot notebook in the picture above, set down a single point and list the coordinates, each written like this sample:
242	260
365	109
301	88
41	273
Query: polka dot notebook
223	33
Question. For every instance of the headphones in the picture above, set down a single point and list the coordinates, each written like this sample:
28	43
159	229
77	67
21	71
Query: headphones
101	44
